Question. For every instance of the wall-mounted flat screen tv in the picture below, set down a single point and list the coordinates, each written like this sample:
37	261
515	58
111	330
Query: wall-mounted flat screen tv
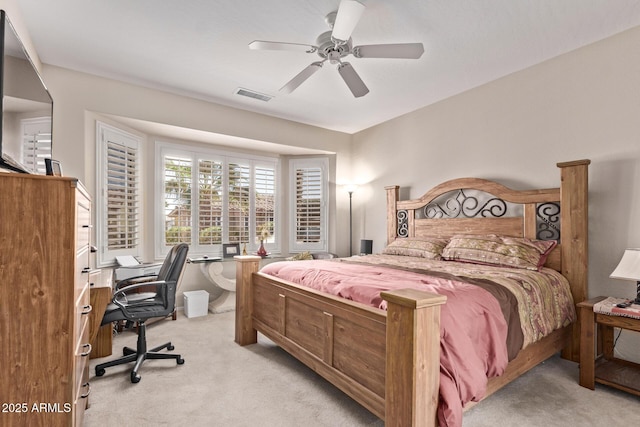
27	107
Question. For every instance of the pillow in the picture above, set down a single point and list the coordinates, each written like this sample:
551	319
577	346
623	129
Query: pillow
301	256
503	251
425	247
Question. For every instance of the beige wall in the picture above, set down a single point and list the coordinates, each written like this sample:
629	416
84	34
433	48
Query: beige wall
80	99
584	104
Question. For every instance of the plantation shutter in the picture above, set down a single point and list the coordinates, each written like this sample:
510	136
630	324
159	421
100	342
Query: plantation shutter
210	202
309	207
265	190
118	209
122	196
177	197
239	198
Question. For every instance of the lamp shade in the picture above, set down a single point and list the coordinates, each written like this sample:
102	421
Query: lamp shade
350	188
629	266
349	13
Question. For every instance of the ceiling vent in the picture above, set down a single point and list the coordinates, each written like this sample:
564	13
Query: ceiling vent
252	94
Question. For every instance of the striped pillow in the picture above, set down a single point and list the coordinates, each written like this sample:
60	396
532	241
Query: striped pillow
424	247
503	251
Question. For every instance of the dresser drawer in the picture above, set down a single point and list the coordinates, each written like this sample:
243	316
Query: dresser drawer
82	271
81	322
82	397
83	350
83	215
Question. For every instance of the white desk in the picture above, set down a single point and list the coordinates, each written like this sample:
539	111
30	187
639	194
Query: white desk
212	268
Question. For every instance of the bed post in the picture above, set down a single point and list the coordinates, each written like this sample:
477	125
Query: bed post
246	265
393	195
412	379
574	238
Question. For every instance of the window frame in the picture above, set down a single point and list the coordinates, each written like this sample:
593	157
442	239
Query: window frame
195	154
106	257
321	163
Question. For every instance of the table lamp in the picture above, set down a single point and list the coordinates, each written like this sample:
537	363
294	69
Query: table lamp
629	269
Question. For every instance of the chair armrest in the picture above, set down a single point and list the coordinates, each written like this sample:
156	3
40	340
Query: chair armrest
128	289
135	280
124	304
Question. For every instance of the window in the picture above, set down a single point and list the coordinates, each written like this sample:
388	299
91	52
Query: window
265	189
239	200
117	204
309	204
210	191
36	143
177	194
211	197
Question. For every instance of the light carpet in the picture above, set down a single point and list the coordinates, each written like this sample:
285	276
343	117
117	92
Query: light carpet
223	384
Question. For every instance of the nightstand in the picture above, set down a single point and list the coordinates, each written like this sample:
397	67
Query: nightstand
605	368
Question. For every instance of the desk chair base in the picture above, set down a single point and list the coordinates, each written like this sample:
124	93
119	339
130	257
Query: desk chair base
128	324
139	355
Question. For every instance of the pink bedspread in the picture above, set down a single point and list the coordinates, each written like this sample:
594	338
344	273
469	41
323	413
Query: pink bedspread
473	329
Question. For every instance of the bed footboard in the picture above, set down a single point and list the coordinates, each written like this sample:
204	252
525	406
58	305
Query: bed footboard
346	342
413	368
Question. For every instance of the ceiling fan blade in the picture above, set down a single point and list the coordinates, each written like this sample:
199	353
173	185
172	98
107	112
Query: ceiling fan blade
349	13
266	45
399	50
353	80
301	77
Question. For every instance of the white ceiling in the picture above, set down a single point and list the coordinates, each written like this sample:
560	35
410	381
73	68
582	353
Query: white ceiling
199	48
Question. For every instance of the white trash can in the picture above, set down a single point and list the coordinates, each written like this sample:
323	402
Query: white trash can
196	303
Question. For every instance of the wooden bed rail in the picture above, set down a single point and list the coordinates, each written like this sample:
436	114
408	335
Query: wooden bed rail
408	387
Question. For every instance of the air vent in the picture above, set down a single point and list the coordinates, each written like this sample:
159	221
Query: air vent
252	94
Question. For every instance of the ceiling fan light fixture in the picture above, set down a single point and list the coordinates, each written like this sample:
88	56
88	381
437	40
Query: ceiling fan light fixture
349	13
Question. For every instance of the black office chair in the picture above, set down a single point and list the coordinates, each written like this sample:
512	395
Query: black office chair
160	303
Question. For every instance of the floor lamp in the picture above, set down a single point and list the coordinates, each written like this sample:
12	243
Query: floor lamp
350	189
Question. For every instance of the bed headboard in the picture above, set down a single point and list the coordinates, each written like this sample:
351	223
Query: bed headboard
479	206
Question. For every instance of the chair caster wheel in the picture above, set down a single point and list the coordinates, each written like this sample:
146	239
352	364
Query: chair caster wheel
135	378
99	372
170	347
180	361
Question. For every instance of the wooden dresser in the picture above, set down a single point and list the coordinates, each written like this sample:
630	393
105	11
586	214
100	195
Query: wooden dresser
44	300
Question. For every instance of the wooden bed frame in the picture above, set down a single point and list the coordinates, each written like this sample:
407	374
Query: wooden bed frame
389	361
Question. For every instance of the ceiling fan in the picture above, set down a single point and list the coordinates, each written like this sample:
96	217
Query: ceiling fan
334	45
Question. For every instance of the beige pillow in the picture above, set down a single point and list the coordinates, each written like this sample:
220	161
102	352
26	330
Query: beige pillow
424	247
301	256
503	251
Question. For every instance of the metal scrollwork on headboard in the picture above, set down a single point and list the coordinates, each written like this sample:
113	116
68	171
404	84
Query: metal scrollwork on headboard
403	224
548	227
467	206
